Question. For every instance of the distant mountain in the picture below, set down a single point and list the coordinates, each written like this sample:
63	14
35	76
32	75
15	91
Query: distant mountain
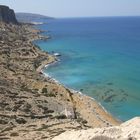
29	17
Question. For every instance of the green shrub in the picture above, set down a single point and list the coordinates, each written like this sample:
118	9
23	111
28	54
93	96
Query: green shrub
44	90
14	134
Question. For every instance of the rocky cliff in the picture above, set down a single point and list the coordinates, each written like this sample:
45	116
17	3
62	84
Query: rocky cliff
7	15
129	130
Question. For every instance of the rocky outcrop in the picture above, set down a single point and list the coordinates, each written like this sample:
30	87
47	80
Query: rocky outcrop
7	15
129	130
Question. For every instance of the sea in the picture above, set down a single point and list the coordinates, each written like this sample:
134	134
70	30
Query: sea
100	56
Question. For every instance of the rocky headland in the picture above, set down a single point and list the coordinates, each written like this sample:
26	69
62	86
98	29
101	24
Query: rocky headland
33	106
30	17
7	15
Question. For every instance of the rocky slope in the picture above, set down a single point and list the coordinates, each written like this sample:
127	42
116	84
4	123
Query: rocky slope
7	15
33	106
129	130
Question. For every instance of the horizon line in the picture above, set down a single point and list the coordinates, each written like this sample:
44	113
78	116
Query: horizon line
99	16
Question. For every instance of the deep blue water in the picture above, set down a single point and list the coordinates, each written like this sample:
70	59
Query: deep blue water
100	57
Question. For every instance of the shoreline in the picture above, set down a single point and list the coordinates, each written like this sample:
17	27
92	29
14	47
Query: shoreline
53	60
43	65
71	89
34	106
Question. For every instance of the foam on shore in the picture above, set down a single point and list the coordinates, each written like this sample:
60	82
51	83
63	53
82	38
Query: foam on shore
72	90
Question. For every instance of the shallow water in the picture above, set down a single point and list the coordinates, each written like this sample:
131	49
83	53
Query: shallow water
100	57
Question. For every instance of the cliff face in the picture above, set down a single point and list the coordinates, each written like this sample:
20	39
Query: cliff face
7	15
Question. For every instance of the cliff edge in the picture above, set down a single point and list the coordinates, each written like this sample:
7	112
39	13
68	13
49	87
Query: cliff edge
129	130
7	15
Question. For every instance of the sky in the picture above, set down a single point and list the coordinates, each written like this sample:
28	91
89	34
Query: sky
76	8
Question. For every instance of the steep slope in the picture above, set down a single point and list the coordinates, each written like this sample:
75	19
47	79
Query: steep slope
33	106
7	15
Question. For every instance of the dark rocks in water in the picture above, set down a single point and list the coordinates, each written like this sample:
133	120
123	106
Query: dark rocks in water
113	96
7	15
108	92
123	99
110	98
110	84
81	90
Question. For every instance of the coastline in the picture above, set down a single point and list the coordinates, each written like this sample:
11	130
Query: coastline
34	106
75	91
72	90
105	115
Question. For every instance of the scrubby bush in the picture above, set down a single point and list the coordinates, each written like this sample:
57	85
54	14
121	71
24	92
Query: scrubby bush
101	138
44	90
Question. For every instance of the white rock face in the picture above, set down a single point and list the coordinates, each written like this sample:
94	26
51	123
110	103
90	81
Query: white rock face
129	130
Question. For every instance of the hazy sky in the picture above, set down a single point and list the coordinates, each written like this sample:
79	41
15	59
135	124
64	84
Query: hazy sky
76	8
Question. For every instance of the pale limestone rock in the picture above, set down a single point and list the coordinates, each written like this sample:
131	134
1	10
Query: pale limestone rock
129	130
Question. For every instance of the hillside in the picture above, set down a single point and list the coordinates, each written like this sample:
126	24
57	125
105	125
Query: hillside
33	106
36	107
29	17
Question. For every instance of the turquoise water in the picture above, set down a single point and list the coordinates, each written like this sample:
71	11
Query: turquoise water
100	57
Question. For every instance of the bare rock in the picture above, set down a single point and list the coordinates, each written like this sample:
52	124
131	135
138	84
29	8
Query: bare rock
129	130
7	15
